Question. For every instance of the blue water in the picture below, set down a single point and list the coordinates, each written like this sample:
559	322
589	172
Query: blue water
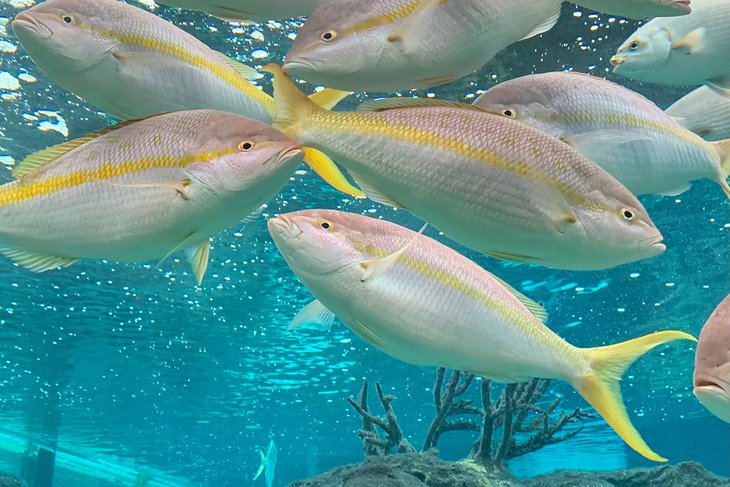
128	367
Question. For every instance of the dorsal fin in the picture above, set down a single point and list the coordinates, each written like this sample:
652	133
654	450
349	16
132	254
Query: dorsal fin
39	159
244	70
535	308
394	103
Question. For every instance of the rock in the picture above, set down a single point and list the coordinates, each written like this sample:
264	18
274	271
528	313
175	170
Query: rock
409	470
682	475
427	470
7	480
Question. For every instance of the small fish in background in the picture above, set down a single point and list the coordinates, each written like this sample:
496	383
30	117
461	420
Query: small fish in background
132	64
249	11
425	304
268	464
143	479
689	50
629	136
639	9
712	363
493	184
143	190
705	112
392	45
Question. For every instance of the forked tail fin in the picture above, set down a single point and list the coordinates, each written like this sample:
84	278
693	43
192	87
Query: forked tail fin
292	106
261	467
600	387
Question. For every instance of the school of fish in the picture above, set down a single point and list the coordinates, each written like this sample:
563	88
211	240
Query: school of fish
544	169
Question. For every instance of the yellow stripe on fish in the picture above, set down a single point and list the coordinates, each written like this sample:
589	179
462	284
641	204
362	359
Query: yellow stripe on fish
221	72
32	186
345	122
400	12
511	314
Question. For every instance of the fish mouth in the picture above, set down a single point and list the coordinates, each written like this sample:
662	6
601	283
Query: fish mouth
654	244
299	65
25	21
683	5
283	225
287	155
616	61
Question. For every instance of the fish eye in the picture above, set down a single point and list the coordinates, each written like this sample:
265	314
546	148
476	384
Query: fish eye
628	214
328	36
325	225
508	112
634	46
246	146
67	19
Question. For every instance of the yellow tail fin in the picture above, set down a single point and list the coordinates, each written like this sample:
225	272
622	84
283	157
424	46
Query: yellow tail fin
329	98
723	148
601	388
328	170
292	106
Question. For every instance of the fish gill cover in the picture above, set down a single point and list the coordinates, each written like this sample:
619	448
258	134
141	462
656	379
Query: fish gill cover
133	365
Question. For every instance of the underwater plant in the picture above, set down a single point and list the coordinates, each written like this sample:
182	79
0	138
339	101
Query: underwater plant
510	424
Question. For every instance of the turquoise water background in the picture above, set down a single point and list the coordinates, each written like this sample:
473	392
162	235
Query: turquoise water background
133	366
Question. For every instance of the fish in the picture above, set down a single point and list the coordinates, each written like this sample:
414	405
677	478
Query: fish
249	11
689	50
268	464
629	136
490	183
142	190
425	304
639	9
393	45
712	363
704	112
133	64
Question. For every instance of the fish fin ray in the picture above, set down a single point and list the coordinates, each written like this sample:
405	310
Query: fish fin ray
401	33
292	106
329	98
676	191
374	194
601	388
178	186
246	71
198	257
545	26
405	102
721	86
522	259
723	148
535	308
326	168
261	467
36	160
313	313
378	266
36	262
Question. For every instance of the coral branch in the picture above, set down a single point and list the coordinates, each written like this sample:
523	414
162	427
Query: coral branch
372	443
445	406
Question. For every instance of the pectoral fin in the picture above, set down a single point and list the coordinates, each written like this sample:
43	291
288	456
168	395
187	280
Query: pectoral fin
523	259
692	43
36	262
377	266
142	65
314	313
545	26
178	186
261	467
410	24
198	258
244	70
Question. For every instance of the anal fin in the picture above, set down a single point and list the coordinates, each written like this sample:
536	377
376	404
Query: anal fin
315	313
36	262
198	258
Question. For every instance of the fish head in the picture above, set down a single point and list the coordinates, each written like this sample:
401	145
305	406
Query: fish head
247	154
618	228
334	44
523	99
649	48
319	243
712	363
65	34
